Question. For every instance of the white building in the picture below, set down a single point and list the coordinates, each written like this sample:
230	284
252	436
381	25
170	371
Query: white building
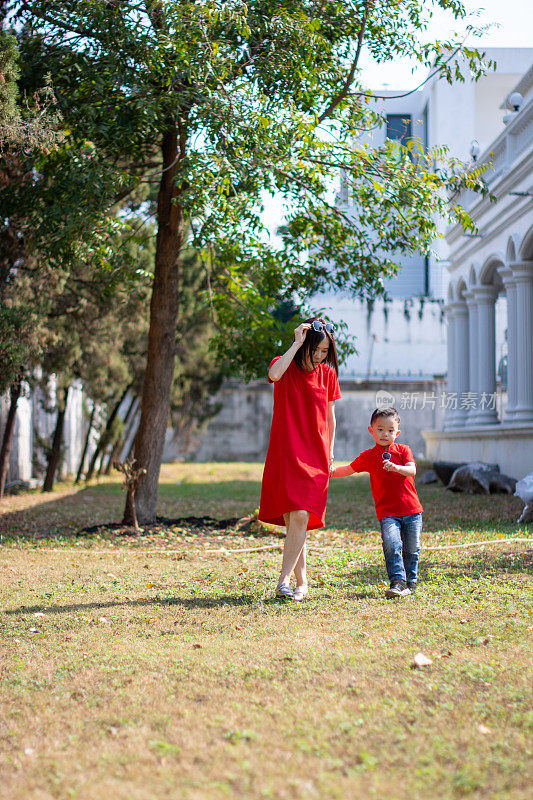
406	336
491	271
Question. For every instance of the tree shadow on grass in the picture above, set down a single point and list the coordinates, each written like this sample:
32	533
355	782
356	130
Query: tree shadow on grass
58	516
191	603
97	510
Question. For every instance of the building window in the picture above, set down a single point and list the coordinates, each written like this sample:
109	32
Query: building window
399	127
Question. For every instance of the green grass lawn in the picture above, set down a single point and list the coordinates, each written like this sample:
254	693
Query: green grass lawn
160	666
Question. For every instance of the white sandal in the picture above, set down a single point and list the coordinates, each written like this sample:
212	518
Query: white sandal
300	593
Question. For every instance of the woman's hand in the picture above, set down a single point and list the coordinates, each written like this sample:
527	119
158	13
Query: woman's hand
281	365
301	332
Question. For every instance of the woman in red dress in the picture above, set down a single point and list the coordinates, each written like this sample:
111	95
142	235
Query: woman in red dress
300	451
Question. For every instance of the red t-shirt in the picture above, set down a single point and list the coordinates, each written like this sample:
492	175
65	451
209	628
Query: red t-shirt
394	495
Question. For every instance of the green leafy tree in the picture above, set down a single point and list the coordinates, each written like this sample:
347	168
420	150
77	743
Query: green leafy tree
219	103
25	123
55	205
199	369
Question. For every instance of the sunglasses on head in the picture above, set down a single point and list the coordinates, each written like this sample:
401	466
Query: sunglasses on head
322	326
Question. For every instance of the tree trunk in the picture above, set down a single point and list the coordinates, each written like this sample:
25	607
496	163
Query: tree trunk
7	440
117	447
134	425
105	436
103	459
55	453
128	439
155	404
129	510
86	444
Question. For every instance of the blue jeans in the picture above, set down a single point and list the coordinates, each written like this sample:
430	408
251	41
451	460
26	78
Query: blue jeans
400	537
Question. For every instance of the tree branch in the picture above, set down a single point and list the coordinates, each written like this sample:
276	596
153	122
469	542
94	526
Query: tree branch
349	80
156	14
412	91
63	25
244	62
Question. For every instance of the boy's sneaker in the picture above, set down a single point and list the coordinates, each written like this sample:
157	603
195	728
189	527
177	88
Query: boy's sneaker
397	589
411	585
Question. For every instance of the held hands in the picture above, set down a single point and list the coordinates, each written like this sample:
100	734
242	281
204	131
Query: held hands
301	332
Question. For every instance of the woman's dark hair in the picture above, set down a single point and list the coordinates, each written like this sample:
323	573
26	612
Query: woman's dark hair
311	342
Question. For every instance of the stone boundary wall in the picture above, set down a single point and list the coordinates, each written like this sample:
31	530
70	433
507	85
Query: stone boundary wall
240	431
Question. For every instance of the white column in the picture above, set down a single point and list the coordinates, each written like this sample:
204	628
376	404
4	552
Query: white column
485	298
449	312
461	359
510	293
473	382
523	277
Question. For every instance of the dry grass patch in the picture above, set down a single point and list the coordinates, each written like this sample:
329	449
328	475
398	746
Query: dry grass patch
151	668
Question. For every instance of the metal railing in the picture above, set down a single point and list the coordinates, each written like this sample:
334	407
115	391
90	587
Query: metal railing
515	139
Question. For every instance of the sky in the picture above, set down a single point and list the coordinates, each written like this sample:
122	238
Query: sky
512	26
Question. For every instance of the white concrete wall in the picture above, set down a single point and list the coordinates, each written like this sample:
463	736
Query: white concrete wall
410	336
511	449
241	430
488	118
460	112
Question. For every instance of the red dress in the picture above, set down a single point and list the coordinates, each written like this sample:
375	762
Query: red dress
296	470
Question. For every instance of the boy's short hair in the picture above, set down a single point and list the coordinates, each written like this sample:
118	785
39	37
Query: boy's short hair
388	411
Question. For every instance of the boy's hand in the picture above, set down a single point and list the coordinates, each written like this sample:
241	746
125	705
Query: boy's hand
341	472
390	467
407	470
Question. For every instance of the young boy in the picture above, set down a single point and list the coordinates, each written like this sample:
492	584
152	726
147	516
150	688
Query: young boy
392	469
